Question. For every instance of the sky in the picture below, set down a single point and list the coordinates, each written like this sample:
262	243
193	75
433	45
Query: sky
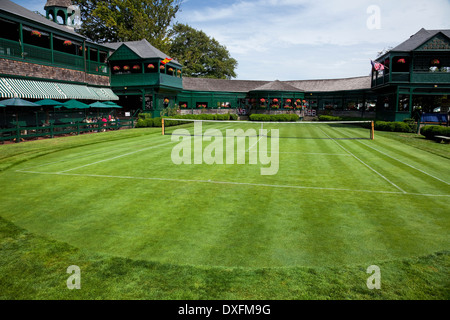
306	39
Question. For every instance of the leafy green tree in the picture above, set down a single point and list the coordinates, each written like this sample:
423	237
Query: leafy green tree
200	55
128	20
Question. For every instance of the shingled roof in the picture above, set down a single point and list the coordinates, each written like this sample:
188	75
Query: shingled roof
220	85
142	48
328	85
278	86
17	10
58	3
418	39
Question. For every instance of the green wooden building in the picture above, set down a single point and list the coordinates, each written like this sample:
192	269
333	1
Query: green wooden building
416	76
42	57
144	77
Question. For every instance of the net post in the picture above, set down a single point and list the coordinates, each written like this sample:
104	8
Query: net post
162	122
372	131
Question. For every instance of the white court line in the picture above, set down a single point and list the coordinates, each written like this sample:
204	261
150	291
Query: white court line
256	141
364	163
406	164
60	161
77	156
117	157
230	183
308	153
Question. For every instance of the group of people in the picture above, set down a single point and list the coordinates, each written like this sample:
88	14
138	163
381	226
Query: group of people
94	122
242	112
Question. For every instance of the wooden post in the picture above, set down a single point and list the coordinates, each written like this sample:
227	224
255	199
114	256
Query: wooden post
372	131
162	122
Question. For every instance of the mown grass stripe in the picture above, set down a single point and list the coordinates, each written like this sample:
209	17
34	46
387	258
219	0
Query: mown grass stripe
404	163
372	169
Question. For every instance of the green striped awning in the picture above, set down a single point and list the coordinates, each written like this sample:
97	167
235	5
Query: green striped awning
33	89
5	92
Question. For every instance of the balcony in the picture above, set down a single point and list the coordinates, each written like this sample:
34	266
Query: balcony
380	80
400	77
430	77
415	77
12	50
146	79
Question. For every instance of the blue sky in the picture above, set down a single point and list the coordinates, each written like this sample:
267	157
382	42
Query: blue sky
306	39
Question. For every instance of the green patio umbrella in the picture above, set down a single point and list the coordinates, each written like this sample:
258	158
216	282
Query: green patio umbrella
16	102
73	104
48	102
112	104
99	104
107	105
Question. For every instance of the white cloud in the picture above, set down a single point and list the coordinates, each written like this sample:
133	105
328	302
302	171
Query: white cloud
260	32
319	38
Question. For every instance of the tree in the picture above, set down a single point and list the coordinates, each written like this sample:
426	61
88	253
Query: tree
128	20
383	52
200	55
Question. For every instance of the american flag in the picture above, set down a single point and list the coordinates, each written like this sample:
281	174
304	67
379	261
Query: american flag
377	66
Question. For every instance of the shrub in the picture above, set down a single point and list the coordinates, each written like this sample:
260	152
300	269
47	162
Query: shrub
274	117
394	126
140	123
430	131
144	115
145	121
329	118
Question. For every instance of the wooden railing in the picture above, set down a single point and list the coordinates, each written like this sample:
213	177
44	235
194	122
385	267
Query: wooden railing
19	134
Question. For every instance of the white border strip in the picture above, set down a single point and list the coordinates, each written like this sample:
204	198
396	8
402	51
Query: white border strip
364	163
116	157
398	160
232	183
270	122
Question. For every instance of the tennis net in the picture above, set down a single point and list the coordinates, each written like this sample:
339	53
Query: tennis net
336	130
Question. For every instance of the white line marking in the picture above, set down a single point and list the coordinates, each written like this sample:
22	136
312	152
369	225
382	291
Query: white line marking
270	122
308	153
256	141
230	183
78	156
406	164
364	163
116	157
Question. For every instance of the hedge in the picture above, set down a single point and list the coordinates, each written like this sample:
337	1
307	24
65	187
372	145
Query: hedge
430	131
204	116
408	125
274	117
329	118
146	122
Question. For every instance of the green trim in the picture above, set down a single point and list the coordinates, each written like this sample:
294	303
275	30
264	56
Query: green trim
42	27
438	37
123	53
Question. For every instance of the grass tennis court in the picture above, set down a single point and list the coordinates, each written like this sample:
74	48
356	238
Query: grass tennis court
336	206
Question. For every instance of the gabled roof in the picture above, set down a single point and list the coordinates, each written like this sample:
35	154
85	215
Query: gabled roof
243	86
277	85
418	39
141	48
330	85
220	85
23	13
